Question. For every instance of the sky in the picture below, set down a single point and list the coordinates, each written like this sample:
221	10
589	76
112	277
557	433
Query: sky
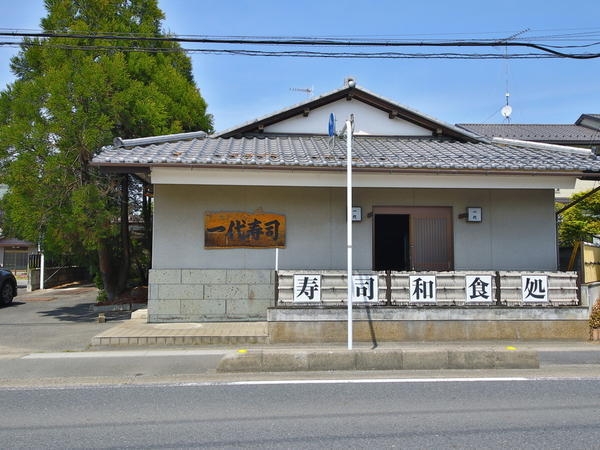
242	88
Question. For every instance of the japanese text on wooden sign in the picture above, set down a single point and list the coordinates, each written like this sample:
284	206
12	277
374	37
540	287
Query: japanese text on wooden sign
244	230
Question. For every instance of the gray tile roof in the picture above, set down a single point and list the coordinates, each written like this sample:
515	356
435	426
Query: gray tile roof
389	153
591	121
13	242
565	134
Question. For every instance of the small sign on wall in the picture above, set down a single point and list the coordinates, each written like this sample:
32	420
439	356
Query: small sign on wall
474	214
365	288
478	288
244	230
307	288
422	288
534	288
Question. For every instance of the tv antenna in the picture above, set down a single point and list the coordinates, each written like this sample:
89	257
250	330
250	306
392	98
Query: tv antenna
309	91
506	110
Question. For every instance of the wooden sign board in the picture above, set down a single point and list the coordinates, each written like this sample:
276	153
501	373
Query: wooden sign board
244	230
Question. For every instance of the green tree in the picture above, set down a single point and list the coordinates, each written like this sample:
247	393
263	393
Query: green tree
70	98
580	221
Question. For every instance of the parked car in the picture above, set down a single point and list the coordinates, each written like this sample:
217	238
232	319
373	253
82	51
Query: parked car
8	287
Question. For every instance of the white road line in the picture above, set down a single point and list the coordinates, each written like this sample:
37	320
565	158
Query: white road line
123	354
371	381
127	384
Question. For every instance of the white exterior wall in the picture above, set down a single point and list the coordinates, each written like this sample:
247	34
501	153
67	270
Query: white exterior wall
517	232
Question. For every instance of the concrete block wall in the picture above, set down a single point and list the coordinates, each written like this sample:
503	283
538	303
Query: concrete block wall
55	276
196	295
200	295
450	288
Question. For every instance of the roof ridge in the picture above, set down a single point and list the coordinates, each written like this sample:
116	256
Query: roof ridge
120	142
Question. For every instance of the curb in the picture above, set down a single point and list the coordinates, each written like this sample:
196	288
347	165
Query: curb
118	307
301	361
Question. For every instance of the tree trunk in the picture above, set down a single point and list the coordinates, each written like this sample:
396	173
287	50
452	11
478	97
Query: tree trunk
125	247
147	216
114	261
106	270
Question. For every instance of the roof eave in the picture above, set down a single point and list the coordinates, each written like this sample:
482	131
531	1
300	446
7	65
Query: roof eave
146	169
393	110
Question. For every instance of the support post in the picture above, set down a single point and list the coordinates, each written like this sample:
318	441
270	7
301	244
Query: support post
349	124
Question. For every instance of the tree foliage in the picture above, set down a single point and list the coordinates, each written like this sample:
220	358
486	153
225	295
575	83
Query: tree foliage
581	221
70	98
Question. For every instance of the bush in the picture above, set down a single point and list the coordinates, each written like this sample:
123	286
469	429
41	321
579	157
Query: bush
102	297
595	315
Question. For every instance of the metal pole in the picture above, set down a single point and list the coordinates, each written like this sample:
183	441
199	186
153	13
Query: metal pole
349	223
42	271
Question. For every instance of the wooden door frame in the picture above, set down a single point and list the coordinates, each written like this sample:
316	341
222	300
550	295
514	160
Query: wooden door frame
413	211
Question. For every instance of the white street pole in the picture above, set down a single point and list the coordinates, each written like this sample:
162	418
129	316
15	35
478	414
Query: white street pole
349	222
42	271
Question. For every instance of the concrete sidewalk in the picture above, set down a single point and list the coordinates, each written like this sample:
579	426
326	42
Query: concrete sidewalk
254	353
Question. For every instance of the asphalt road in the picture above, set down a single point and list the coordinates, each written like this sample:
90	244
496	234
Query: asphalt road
339	414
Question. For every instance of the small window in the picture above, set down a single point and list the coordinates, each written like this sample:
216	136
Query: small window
15	259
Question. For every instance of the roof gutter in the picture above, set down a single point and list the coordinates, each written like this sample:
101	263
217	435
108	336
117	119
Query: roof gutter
120	142
126	167
542	146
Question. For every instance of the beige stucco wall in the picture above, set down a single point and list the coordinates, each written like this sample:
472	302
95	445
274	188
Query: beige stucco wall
517	232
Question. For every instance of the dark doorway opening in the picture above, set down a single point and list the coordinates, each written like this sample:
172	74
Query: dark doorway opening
392	250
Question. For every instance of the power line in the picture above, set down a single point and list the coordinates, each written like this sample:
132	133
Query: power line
296	53
49	39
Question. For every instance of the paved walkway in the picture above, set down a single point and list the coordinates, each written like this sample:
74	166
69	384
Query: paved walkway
138	332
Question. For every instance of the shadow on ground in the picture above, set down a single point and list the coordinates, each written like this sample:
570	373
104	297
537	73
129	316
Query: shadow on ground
82	312
12	305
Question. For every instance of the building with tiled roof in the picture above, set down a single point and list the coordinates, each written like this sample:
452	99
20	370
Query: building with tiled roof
251	223
584	133
560	134
14	253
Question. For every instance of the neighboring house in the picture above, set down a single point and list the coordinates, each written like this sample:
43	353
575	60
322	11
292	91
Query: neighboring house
454	236
584	133
14	253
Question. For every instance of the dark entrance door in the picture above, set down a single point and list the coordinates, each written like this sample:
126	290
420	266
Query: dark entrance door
392	251
412	238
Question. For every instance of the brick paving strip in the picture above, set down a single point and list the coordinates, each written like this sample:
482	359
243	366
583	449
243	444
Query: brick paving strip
137	332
